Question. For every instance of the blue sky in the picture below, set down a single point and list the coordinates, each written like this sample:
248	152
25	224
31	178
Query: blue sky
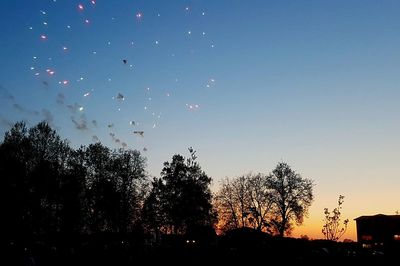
312	83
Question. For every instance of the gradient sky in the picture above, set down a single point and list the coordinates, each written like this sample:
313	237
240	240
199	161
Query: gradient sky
245	83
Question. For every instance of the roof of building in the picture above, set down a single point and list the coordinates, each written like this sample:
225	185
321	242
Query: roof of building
366	217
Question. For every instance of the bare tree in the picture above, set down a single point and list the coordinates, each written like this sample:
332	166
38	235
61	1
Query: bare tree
244	201
241	196
228	205
332	228
260	201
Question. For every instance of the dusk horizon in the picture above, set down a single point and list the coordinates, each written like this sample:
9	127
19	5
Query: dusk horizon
248	86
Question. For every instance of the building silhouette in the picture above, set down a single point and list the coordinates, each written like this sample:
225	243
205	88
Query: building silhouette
378	231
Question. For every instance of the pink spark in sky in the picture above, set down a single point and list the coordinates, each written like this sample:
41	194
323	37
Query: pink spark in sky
50	72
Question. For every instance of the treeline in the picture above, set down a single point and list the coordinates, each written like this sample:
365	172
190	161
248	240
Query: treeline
272	203
50	188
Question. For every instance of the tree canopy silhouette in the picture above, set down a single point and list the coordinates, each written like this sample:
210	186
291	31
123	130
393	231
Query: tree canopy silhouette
33	166
291	196
244	201
181	198
49	187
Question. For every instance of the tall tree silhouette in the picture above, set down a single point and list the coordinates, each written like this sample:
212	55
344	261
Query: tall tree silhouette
101	198
233	204
33	164
47	187
115	188
181	198
13	171
291	196
73	195
261	203
48	165
129	168
244	201
154	213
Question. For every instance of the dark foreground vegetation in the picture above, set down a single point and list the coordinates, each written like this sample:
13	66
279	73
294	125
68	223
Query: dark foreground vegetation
98	206
237	247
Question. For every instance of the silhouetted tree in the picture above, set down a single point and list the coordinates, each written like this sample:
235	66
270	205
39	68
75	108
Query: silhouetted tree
243	202
73	195
260	201
129	168
305	237
116	187
47	187
13	171
154	213
181	198
48	164
231	206
332	229
34	167
291	196
101	198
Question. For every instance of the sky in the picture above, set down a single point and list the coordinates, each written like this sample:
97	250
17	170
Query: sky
247	84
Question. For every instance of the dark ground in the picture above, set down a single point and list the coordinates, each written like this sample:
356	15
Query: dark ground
180	250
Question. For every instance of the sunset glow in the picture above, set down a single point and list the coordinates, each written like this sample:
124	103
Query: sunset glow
314	84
